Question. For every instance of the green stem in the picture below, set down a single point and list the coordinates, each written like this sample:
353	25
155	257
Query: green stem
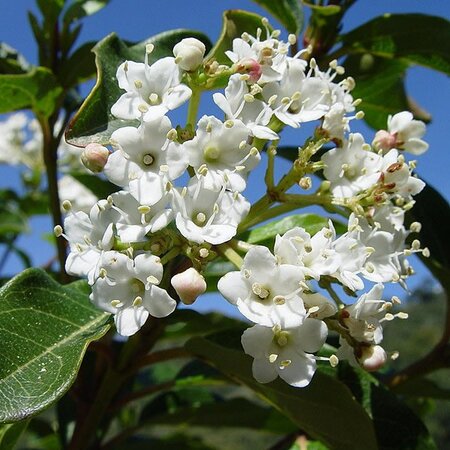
171	254
230	254
50	148
267	214
194	103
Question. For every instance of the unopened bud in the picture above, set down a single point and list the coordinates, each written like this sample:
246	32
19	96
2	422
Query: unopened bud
373	358
250	67
94	157
188	285
189	53
384	141
305	183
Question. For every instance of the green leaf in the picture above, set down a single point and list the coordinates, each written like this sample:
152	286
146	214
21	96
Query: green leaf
84	61
11	61
237	412
11	433
45	329
265	234
50	9
94	121
380	83
396	426
288	12
422	387
414	38
82	8
325	409
37	90
235	22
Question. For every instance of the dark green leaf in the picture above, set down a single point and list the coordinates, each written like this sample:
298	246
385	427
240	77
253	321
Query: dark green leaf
325	409
422	387
83	60
37	90
235	22
237	412
50	9
10	434
12	220
396	426
45	329
288	12
82	8
414	38
11	61
380	83
94	121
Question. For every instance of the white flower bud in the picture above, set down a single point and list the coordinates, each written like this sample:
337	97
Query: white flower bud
373	358
189	53
384	141
189	285
94	157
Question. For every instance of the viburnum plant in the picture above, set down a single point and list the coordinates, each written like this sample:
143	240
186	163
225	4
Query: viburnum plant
168	219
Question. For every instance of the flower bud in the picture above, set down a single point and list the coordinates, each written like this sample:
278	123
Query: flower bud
373	358
189	53
94	157
251	67
384	140
188	285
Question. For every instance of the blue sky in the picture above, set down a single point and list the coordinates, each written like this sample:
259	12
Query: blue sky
136	20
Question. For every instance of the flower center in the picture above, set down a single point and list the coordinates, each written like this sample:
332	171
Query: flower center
148	159
260	291
137	287
199	219
211	153
154	99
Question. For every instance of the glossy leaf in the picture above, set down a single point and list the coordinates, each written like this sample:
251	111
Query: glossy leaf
422	387
37	90
380	84
235	22
94	121
414	38
45	329
288	12
325	409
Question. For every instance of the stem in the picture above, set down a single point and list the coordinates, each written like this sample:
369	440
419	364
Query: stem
85	429
50	145
194	103
230	254
159	356
269	177
171	254
334	296
268	214
261	205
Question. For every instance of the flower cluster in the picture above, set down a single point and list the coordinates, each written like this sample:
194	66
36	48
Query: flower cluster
124	242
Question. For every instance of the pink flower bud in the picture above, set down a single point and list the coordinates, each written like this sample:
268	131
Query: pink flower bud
251	67
373	358
189	285
384	140
94	157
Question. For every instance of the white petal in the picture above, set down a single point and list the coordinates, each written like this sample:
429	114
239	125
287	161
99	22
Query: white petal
263	370
301	369
233	287
257	340
130	320
158	302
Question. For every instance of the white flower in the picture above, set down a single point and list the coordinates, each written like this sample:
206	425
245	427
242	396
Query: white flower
335	123
403	133
145	160
188	285
88	236
222	149
239	104
351	169
152	91
189	53
314	255
285	352
12	138
265	292
202	215
127	288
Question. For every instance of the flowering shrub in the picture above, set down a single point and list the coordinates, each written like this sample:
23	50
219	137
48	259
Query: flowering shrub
171	220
